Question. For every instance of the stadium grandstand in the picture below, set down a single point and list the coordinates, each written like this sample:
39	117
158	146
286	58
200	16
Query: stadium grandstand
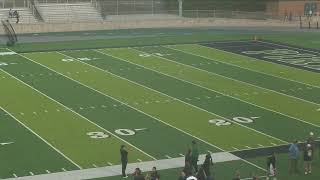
160	89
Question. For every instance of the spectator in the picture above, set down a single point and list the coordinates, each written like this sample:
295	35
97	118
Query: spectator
124	160
237	176
201	175
307	156
188	169
17	15
207	165
137	175
311	141
10	13
271	167
182	176
154	174
187	157
294	157
194	156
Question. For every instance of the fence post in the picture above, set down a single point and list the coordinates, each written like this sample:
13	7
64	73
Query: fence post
300	22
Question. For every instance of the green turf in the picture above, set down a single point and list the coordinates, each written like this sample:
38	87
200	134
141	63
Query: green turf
155	90
251	76
262	97
224	106
59	126
27	153
147	101
124	38
281	71
106	112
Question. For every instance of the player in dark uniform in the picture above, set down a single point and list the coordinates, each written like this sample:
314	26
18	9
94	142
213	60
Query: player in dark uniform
124	160
307	157
271	167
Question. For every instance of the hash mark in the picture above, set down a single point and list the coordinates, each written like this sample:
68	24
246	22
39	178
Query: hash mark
94	165
274	144
15	175
109	163
48	171
63	169
235	148
260	145
168	157
181	155
139	160
248	147
31	173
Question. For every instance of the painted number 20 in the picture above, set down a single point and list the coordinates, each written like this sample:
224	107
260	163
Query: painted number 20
222	122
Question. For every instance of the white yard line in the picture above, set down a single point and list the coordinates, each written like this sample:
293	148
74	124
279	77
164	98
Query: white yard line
57	150
223	62
212	89
135	108
259	132
69	109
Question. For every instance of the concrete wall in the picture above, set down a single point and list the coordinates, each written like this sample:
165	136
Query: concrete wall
183	22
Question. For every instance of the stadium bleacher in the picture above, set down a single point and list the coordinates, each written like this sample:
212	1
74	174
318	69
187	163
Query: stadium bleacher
26	15
66	12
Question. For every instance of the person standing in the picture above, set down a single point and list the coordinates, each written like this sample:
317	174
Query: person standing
154	174
294	157
207	164
271	167
187	157
307	157
194	156
137	175
124	160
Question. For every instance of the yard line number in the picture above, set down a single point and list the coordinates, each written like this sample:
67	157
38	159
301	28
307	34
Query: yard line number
153	54
80	59
223	122
121	132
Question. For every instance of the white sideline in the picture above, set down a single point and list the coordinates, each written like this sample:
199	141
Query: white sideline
116	170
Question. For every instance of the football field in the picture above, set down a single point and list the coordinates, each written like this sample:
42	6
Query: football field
72	110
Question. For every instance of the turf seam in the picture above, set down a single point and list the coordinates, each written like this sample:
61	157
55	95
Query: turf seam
230	95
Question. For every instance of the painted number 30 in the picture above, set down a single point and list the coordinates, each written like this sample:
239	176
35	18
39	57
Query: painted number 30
98	135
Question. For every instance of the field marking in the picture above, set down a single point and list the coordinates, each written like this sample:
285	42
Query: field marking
259	132
6	143
265	42
221	92
179	99
223	62
142	111
258	60
33	132
259	87
119	100
69	109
